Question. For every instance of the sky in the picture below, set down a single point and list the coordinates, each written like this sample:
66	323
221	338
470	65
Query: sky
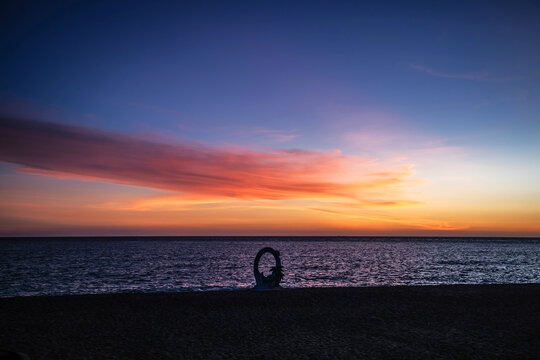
414	118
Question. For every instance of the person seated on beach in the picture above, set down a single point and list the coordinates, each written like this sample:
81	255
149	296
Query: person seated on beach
274	278
266	279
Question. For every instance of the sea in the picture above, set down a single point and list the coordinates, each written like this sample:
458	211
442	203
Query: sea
81	265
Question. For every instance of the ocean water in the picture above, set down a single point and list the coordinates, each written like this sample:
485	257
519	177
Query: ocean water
112	265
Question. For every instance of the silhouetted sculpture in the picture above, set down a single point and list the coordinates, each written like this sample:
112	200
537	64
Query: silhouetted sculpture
271	281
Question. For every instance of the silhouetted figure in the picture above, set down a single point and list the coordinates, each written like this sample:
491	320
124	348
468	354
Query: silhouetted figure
271	281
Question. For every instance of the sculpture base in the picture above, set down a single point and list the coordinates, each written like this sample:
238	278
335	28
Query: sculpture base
266	288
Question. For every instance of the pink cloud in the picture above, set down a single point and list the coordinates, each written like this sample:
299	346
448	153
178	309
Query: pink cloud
190	168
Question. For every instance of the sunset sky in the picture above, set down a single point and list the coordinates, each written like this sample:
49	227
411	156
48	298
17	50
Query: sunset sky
270	118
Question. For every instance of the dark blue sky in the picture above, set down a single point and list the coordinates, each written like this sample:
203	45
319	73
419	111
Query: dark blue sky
289	64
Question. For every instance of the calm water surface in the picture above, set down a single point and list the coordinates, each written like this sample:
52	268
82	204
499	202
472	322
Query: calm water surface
83	266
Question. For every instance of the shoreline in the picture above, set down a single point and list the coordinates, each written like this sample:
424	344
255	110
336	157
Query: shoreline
252	288
407	322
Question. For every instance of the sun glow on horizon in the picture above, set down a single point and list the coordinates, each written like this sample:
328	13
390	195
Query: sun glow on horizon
151	188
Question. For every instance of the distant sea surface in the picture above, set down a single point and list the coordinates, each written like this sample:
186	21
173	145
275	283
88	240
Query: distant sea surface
58	266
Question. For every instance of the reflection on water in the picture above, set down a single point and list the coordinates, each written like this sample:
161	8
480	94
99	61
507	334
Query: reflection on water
53	267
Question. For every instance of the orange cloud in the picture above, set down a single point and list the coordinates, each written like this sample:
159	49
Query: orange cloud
195	169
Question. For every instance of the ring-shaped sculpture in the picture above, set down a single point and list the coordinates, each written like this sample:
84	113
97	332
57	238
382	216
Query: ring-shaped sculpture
271	281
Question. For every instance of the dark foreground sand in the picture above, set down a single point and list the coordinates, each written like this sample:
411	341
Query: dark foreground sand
444	322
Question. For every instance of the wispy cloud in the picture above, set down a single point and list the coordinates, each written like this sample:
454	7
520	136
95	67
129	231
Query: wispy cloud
189	123
277	135
422	223
157	109
195	169
482	76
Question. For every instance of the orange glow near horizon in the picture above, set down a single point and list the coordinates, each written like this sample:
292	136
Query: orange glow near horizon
75	181
116	210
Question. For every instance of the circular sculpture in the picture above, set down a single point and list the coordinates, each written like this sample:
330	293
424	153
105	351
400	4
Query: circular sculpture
271	281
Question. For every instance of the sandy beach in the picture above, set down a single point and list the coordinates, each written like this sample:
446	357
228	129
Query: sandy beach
439	322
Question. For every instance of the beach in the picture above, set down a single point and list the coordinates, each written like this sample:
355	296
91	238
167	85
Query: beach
428	322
